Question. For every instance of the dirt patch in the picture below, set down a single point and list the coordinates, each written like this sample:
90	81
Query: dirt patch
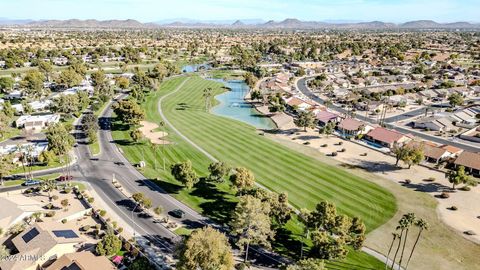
441	246
155	137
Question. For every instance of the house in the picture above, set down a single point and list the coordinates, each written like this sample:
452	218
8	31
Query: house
15	94
432	152
469	160
434	123
279	83
42	243
36	123
386	137
350	127
84	260
296	103
325	117
15	208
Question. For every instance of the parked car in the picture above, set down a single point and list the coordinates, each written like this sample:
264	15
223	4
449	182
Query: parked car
65	178
31	182
177	213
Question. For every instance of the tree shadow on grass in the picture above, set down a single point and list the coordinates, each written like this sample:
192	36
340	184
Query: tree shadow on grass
164	186
116	126
286	243
123	142
218	207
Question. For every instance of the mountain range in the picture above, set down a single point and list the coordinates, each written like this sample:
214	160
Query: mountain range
240	24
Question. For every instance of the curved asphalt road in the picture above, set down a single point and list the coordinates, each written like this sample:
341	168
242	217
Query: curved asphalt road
303	88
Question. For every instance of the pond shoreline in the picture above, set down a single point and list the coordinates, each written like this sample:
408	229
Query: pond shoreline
235	104
281	120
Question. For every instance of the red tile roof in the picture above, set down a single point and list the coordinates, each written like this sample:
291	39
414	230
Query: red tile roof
350	124
325	116
385	135
469	160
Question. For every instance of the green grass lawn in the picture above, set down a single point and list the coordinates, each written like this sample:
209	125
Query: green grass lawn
56	163
183	231
94	148
10	133
226	74
11	183
277	167
306	180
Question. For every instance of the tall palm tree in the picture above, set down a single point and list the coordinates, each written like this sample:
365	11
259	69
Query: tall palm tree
395	236
410	220
21	157
207	95
422	225
402	225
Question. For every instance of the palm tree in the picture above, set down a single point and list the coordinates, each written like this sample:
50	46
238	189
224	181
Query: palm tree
49	186
327	103
422	225
410	220
207	95
21	157
402	225
395	236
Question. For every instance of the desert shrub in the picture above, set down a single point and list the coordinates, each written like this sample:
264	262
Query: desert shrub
102	213
453	208
91	200
64	221
444	195
54	197
86	228
50	214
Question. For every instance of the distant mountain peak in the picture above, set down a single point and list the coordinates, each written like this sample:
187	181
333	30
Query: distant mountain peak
238	23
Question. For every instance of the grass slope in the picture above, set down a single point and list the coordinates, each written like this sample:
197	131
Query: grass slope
306	180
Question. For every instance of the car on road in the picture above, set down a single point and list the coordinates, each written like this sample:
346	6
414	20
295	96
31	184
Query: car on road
65	178
178	213
31	182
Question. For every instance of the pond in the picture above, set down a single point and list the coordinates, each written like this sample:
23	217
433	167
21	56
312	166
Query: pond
233	105
195	68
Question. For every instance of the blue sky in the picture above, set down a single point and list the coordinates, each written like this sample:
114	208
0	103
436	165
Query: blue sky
318	10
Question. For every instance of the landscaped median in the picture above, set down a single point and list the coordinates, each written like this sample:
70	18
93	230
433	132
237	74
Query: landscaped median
306	180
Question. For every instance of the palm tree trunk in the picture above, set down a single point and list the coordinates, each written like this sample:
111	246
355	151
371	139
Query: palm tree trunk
390	249
398	248
246	252
413	248
403	250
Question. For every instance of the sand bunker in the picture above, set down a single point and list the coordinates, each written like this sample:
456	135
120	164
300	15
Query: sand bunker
155	137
